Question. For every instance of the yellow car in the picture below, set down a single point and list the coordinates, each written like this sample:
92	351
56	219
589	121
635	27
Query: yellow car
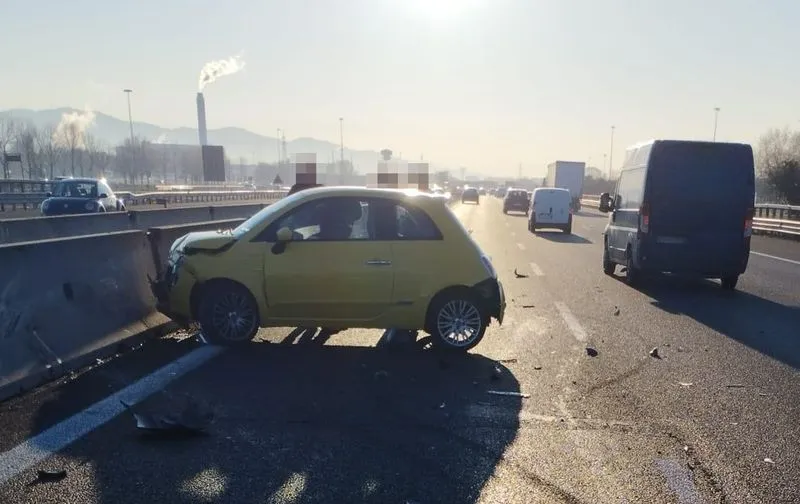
336	257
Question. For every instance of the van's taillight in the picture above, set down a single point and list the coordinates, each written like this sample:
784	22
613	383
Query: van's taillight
748	222
644	218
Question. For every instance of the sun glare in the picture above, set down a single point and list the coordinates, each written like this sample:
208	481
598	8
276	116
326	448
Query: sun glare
440	10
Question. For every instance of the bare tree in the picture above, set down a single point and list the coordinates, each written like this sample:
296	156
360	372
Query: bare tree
50	150
778	161
92	149
8	128
28	148
73	142
102	160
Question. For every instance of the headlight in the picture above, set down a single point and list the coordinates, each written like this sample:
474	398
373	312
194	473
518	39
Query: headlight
91	205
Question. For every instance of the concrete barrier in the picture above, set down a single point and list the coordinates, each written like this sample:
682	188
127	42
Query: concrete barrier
66	302
162	238
146	219
44	228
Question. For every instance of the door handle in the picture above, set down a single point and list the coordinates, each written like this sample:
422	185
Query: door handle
378	262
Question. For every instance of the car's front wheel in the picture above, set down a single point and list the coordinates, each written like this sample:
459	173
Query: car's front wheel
228	314
457	321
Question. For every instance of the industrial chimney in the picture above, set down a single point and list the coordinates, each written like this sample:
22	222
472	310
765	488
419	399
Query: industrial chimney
201	119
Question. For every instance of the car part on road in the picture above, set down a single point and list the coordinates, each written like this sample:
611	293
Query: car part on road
519	275
591	352
228	313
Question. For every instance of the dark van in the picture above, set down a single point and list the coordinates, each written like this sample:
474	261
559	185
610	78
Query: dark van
682	207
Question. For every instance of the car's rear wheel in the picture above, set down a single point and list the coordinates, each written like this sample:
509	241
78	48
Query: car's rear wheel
631	274
228	314
608	265
729	282
457	321
568	228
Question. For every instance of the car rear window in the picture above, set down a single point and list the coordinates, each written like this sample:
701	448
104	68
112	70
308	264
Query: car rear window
518	194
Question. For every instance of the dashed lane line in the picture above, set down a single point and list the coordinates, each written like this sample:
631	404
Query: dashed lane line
59	436
572	323
791	261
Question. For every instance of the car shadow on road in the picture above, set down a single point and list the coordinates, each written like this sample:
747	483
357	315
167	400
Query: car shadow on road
595	215
764	325
312	423
562	237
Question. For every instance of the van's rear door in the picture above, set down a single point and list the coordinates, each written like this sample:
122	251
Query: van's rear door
698	195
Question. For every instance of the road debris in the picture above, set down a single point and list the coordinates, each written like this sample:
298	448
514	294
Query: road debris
188	421
591	352
769	460
537	367
512	394
685	384
654	353
508	361
528	306
49	476
518	274
736	385
616	311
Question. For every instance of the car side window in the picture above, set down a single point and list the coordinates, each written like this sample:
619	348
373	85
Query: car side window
328	219
104	189
414	224
631	188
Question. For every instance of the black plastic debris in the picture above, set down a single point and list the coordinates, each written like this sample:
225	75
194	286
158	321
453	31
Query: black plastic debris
537	368
616	311
51	475
528	306
189	421
654	353
591	352
518	274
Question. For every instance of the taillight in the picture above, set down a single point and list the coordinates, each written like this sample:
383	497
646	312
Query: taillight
644	218
748	222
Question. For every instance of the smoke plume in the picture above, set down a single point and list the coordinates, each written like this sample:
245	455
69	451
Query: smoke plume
74	124
213	70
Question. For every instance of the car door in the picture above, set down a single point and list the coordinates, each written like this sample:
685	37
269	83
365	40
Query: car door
544	206
320	279
421	261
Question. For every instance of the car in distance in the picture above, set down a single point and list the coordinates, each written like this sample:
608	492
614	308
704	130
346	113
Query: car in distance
80	196
471	194
682	207
516	200
550	208
336	257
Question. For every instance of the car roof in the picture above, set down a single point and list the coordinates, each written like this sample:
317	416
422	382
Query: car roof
370	192
79	179
551	189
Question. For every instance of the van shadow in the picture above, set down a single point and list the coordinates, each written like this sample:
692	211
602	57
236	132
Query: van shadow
590	214
763	325
513	213
315	423
562	237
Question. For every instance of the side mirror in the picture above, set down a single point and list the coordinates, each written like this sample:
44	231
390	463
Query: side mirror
48	195
284	235
605	203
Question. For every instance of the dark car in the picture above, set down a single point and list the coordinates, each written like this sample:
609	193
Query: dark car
682	207
471	194
516	200
81	196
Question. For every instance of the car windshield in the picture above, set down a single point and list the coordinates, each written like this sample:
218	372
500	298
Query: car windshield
75	189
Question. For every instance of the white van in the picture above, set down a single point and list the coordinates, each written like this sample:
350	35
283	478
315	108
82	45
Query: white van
550	208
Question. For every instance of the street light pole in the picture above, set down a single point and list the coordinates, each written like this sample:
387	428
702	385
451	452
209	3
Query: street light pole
130	117
611	153
716	118
341	146
278	140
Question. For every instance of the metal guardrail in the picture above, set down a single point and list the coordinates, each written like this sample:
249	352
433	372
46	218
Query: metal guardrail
769	219
30	201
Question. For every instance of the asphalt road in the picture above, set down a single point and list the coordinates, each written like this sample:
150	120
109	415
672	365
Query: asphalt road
300	417
17	214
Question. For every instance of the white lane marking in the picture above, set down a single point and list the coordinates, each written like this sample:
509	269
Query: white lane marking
776	257
521	246
571	321
679	481
536	269
59	436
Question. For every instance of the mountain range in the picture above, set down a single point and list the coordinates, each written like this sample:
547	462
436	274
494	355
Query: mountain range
239	143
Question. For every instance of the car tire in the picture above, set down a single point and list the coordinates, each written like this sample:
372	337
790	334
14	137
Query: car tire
220	303
505	211
609	267
568	228
632	275
446	311
729	282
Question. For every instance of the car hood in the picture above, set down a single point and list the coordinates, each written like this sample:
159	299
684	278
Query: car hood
203	241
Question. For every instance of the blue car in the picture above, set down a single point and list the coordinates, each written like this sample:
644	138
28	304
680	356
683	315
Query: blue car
682	207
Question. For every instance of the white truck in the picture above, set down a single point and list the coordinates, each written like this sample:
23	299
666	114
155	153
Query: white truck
567	175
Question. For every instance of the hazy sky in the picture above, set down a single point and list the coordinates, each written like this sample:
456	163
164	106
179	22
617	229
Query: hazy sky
482	83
